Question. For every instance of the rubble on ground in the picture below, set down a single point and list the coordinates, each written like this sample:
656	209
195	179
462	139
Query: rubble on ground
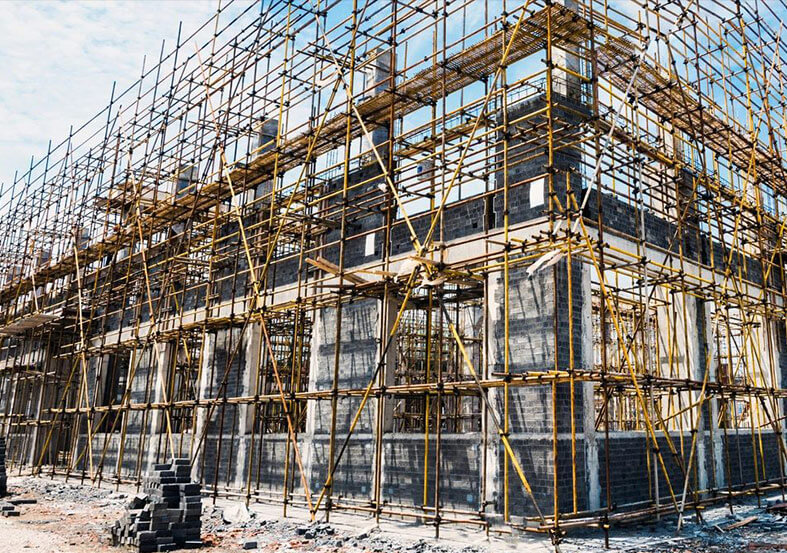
257	532
750	527
72	491
8	509
232	527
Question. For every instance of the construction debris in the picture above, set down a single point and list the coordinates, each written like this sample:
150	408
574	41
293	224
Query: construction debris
236	514
74	517
167	516
22	501
780	508
8	509
741	523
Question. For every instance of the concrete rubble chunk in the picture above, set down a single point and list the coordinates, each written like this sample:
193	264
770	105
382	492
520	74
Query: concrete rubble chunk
368	531
237	513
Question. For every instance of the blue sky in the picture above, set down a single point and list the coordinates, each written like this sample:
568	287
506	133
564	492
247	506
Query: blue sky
59	60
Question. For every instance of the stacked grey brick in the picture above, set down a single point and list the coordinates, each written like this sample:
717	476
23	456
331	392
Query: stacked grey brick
3	476
168	516
6	509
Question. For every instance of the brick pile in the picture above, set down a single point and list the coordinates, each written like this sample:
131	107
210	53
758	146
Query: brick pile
8	509
3	476
167	516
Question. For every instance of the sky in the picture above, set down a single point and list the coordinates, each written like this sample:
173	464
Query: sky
59	59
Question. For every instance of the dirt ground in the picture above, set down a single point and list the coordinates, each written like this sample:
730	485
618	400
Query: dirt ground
56	526
70	518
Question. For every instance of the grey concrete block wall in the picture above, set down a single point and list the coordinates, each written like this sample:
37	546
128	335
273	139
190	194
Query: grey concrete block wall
527	161
535	342
219	462
358	357
461	461
108	445
131	449
536	457
741	452
630	473
623	217
268	457
531	321
140	427
781	345
227	363
141	387
354	474
360	219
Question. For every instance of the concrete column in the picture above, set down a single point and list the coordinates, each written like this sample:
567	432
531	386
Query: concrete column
389	310
378	76
717	444
162	357
266	132
534	303
34	450
358	356
253	343
204	392
186	180
697	336
592	468
494	353
780	337
315	362
565	83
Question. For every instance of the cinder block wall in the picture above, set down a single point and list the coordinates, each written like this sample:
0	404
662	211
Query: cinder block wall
358	357
534	339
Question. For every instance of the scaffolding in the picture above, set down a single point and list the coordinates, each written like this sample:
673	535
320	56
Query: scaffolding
576	205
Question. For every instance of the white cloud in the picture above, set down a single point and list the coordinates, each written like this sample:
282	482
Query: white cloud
59	60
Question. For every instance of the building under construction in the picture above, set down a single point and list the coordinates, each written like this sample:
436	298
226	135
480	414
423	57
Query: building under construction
506	263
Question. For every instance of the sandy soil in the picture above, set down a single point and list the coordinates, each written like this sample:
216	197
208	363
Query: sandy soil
54	528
